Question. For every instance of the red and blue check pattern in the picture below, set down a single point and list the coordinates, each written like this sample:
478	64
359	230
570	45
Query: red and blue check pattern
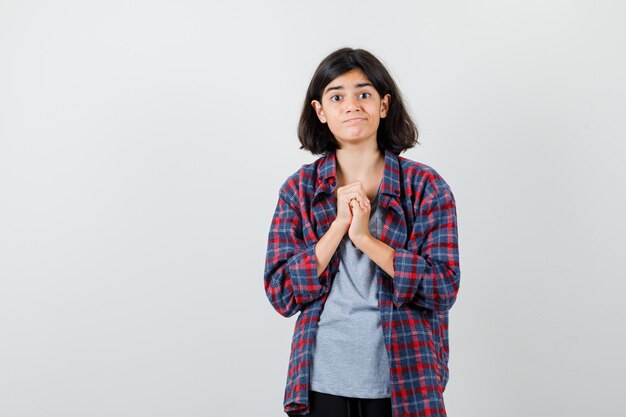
421	226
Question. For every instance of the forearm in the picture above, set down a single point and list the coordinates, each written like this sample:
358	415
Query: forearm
327	245
379	252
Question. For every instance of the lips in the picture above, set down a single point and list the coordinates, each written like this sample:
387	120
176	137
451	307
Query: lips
354	119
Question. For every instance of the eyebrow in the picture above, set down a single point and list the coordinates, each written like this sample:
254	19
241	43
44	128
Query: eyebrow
340	87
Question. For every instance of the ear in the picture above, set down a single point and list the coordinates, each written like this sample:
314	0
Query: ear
319	110
384	105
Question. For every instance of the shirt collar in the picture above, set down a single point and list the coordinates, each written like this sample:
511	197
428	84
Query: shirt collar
391	182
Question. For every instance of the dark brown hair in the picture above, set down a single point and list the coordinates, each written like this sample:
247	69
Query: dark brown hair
397	132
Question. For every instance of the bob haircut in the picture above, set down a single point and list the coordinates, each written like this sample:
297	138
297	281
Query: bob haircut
397	132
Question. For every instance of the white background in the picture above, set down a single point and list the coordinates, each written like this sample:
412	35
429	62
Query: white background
142	145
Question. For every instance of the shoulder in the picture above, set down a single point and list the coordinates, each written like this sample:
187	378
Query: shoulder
301	179
424	180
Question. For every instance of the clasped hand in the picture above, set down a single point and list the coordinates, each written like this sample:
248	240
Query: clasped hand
353	211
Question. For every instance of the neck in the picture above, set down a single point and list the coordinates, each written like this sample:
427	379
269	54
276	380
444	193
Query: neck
357	165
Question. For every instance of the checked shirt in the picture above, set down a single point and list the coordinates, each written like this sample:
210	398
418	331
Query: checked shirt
421	226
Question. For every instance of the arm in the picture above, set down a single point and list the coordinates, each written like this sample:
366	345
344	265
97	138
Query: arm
428	276
296	274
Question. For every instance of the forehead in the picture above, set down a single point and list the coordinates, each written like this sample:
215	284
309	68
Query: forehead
352	79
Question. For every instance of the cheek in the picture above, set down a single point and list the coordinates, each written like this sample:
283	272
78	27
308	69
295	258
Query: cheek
335	120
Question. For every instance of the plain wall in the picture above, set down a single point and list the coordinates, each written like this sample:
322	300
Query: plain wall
142	146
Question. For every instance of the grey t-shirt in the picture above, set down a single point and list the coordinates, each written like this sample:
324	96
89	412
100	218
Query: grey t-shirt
349	355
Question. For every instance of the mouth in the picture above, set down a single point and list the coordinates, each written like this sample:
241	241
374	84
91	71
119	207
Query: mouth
354	119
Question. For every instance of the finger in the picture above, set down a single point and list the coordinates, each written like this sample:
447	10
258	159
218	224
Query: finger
359	201
364	197
361	198
365	202
362	193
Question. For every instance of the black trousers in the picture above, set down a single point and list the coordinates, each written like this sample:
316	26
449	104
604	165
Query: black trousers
328	405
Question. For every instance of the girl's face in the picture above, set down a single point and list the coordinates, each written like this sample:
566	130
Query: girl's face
352	108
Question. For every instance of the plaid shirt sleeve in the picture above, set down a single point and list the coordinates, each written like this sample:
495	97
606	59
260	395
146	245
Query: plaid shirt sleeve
290	277
427	273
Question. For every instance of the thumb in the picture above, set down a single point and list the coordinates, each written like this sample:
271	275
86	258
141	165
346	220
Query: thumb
356	208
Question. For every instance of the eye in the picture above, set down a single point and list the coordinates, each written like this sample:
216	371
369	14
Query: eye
332	97
368	94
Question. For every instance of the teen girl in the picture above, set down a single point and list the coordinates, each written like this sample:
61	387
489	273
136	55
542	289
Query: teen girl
363	243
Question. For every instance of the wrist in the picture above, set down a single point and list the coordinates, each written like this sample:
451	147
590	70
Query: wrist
361	241
336	224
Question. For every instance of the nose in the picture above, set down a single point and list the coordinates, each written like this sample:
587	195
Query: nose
351	104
